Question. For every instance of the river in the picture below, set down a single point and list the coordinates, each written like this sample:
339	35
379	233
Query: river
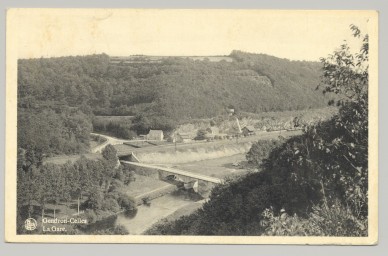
146	216
180	203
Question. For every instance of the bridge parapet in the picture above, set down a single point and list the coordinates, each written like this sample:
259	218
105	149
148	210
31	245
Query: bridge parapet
176	176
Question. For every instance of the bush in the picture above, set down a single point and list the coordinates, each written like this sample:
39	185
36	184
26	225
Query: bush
334	220
110	204
126	202
120	174
201	135
120	230
91	216
117	230
338	220
131	177
146	201
94	201
261	150
285	225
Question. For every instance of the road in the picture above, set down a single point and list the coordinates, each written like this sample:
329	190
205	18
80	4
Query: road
179	172
122	151
109	140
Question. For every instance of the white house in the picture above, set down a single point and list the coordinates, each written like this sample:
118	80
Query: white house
155	135
184	137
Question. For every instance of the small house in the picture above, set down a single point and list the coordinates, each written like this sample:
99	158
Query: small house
248	130
184	137
230	111
214	130
155	135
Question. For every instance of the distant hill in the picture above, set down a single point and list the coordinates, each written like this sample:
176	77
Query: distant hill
58	98
174	87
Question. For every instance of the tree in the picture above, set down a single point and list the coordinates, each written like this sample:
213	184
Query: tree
346	74
56	182
332	157
95	199
201	134
260	150
109	166
141	124
110	154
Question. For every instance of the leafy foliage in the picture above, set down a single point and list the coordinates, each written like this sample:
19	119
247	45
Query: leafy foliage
121	128
201	134
333	220
50	132
260	150
55	184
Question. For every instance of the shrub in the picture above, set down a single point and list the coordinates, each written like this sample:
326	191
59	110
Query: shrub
91	216
201	134
324	220
285	225
117	230
260	150
120	230
338	220
146	201
110	204
94	201
126	202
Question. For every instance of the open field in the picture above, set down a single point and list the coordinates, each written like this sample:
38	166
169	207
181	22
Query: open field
64	159
114	119
305	115
183	211
148	215
219	167
126	150
143	185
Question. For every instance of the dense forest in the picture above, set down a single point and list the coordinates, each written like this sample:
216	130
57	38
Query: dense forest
59	97
315	184
174	87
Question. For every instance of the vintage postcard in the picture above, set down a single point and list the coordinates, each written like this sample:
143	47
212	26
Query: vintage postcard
191	126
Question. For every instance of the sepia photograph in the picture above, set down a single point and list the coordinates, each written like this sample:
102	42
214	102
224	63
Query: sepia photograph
191	126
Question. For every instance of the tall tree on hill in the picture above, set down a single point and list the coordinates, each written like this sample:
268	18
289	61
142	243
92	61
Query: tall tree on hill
141	124
346	74
110	154
109	169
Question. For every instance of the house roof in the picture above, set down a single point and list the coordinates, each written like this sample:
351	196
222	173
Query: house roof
250	128
155	132
185	135
215	129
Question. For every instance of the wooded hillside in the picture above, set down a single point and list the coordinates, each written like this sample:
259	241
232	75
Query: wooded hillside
174	87
58	97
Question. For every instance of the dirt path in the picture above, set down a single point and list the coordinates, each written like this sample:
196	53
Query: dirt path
109	140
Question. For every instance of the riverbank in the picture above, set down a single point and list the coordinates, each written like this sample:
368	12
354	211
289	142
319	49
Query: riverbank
183	211
147	216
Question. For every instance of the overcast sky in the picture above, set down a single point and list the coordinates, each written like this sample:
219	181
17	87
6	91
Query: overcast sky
294	35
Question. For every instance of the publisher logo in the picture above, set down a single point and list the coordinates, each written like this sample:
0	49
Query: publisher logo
30	224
